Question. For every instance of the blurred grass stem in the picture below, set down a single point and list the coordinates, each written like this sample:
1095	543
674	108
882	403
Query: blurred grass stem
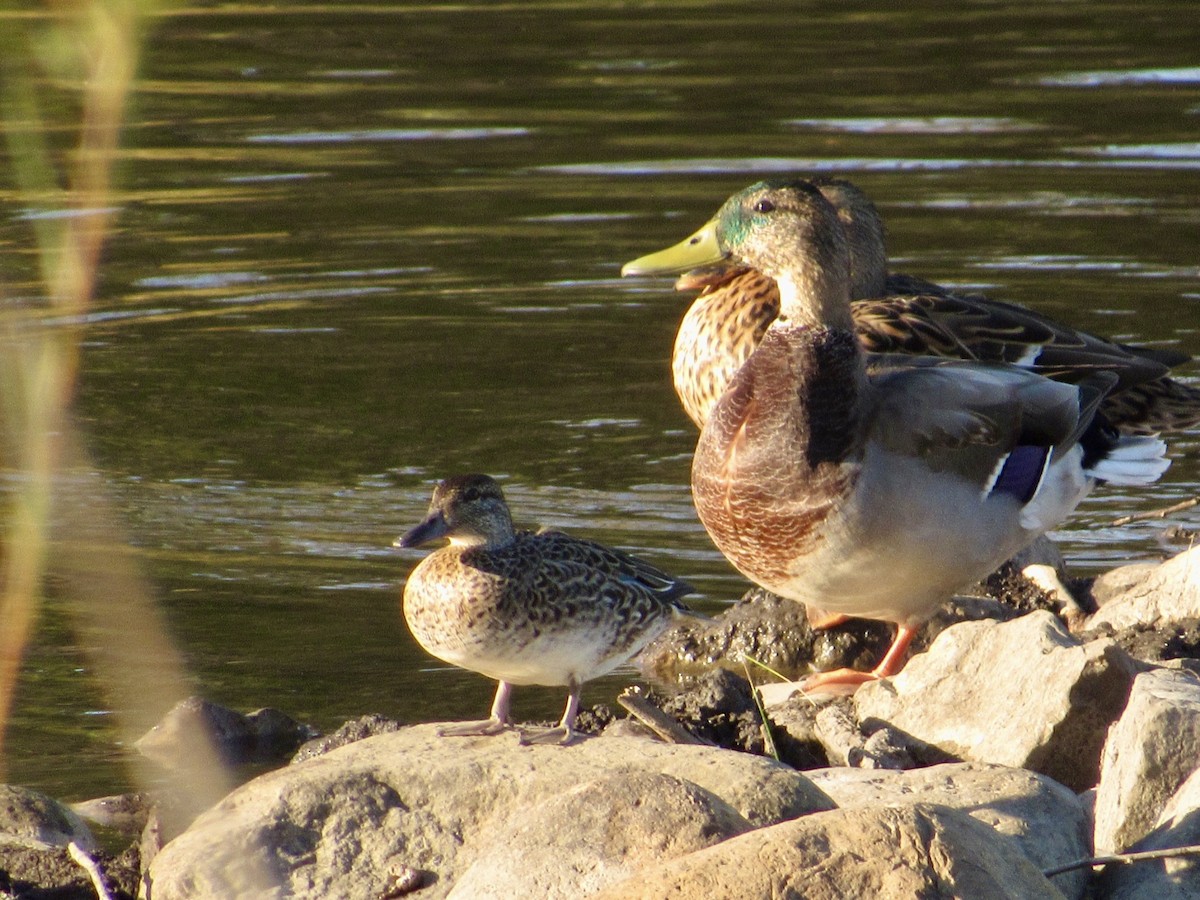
92	44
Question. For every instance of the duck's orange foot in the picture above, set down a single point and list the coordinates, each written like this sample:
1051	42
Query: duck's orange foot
838	682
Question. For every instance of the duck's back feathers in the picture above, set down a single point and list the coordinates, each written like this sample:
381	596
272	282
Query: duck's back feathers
974	327
1165	404
946	405
567	560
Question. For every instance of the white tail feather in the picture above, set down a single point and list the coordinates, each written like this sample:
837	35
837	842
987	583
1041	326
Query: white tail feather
1135	460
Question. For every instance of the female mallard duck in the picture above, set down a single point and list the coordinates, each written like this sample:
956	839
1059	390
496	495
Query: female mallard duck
875	487
898	313
527	608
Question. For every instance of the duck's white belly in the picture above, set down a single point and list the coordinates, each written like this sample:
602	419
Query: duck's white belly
898	548
556	661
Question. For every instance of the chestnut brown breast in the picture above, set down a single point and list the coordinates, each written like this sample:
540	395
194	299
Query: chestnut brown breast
776	456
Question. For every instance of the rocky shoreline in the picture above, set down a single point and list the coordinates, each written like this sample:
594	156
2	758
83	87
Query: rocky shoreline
1019	744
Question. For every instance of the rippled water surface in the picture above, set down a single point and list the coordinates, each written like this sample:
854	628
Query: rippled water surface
363	247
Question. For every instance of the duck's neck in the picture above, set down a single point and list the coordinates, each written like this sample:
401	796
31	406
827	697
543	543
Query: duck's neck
814	297
868	253
493	535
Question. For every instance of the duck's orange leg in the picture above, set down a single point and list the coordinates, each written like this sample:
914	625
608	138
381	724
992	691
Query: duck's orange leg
847	681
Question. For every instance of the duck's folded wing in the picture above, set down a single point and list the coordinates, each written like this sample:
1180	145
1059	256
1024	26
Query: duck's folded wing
974	327
971	417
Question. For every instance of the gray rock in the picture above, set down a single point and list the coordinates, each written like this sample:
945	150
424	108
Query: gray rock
1024	694
265	735
894	853
767	628
1151	750
126	813
841	737
1147	595
350	731
33	820
598	833
34	833
1170	879
27	873
345	823
1047	822
1183	803
1109	586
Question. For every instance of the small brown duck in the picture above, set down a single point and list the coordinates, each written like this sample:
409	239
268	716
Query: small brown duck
896	313
874	486
527	608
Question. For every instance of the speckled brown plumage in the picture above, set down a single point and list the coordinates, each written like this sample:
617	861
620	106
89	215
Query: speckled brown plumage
524	607
736	305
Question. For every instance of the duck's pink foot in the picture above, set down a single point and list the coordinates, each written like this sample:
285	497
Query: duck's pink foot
473	729
844	682
564	732
556	735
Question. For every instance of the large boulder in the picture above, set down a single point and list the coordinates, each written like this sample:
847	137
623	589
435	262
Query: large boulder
597	833
1047	822
1151	751
1023	693
892	853
1163	879
411	804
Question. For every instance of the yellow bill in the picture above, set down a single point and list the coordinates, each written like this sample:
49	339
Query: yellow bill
701	249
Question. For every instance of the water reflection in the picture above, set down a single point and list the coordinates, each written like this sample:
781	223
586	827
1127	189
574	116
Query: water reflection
914	125
386	134
1116	78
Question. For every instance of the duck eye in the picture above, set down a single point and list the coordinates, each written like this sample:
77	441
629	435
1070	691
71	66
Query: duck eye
471	494
764	206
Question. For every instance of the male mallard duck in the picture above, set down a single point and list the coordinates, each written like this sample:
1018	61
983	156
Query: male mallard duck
898	313
875	487
527	608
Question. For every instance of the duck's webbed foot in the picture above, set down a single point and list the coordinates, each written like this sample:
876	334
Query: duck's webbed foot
564	732
497	723
838	682
556	735
470	729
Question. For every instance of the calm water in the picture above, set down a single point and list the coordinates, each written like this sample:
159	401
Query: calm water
363	247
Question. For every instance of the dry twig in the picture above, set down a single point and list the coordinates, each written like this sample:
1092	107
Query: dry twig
1158	513
657	720
1124	859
